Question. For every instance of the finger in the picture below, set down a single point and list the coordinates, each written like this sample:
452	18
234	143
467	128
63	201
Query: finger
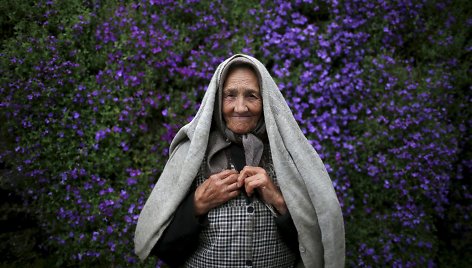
230	179
248	171
258	177
232	187
233	194
241	178
251	186
225	173
221	175
253	182
251	170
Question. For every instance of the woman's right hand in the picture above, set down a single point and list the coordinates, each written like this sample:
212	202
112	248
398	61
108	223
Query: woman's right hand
216	190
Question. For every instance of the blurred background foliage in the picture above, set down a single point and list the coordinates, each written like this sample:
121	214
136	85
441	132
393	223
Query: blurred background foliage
92	92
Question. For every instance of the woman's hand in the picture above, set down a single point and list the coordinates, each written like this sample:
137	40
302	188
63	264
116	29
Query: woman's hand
256	178
216	190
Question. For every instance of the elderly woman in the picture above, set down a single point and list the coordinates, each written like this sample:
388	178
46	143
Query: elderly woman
242	187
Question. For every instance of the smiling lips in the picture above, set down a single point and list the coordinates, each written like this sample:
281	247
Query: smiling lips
242	117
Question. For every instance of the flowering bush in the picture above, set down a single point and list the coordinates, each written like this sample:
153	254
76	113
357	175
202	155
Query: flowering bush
92	93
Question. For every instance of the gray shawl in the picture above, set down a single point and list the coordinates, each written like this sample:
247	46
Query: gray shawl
302	177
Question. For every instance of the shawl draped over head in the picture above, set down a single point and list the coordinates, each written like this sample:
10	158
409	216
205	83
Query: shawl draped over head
301	175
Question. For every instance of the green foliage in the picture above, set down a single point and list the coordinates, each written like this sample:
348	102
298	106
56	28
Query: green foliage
92	93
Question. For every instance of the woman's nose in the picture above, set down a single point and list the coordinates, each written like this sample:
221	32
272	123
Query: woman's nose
240	105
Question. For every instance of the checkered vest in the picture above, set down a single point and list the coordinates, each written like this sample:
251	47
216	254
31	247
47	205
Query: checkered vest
241	233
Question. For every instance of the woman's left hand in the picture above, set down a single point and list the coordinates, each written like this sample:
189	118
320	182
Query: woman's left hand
256	178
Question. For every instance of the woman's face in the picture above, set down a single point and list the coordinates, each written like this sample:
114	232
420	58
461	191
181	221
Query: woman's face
242	101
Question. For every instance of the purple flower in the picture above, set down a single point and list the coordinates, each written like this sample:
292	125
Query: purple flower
124	146
101	134
131	181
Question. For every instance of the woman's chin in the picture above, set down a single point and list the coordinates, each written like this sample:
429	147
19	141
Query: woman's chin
240	130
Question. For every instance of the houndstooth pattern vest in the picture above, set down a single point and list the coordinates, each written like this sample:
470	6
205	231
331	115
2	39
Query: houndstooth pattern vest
242	233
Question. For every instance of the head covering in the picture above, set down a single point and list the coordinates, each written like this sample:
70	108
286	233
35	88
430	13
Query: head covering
221	136
259	131
301	175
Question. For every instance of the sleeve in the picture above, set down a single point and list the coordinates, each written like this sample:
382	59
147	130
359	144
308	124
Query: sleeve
288	231
180	239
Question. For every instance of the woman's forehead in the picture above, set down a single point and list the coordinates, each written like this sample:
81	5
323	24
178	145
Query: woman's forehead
241	76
